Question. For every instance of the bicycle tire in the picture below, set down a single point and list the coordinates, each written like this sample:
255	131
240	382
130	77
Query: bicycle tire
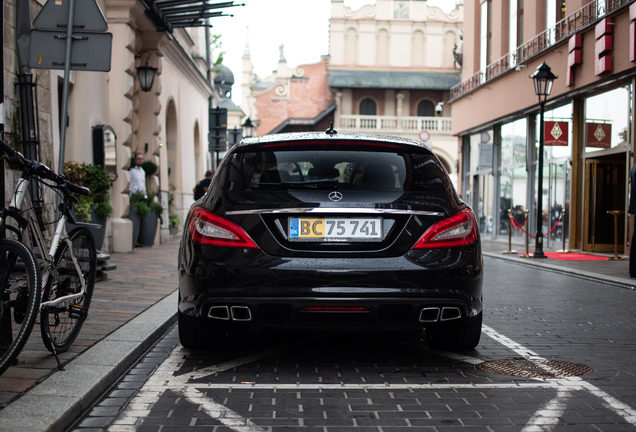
20	293
63	327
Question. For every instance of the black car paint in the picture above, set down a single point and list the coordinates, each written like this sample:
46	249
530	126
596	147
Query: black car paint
281	272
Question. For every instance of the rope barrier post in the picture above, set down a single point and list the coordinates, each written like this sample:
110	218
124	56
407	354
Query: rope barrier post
615	213
510	251
527	254
563	232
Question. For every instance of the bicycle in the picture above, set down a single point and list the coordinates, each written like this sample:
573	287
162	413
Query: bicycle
59	284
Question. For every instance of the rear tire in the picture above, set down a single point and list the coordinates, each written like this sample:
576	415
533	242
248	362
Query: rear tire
202	334
455	335
63	327
19	298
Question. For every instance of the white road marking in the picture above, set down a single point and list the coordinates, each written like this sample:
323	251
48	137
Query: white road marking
620	408
219	412
164	379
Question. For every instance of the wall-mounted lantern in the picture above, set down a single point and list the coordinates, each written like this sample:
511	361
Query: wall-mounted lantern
146	74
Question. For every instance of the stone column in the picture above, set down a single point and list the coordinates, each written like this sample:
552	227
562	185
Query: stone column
338	111
400	100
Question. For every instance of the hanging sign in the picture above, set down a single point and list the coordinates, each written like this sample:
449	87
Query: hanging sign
599	135
556	133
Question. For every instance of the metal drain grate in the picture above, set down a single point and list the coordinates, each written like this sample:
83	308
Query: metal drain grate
535	368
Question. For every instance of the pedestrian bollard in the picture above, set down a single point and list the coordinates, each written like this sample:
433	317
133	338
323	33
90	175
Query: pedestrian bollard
527	254
615	213
563	215
510	251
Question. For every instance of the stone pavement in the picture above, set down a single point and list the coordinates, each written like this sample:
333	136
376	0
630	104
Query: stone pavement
132	309
615	272
129	311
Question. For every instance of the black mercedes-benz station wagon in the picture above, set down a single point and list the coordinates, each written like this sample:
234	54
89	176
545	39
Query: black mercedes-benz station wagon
331	232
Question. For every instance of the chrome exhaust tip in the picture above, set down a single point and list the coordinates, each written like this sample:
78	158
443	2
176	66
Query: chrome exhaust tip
241	313
430	314
450	313
219	312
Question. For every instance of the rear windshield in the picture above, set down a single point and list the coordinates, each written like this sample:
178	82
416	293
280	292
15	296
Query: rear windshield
334	168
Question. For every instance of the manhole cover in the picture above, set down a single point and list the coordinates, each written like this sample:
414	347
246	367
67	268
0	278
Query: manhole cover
535	368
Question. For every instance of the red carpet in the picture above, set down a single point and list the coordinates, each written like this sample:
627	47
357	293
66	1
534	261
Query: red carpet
573	256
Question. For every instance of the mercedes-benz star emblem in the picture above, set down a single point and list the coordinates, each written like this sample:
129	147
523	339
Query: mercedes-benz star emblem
335	196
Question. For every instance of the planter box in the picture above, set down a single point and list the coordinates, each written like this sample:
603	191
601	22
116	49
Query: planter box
98	234
148	229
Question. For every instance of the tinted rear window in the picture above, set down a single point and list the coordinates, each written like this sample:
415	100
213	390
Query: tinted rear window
365	169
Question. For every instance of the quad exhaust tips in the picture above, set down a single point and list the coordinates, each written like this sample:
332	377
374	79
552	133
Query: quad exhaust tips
234	313
434	314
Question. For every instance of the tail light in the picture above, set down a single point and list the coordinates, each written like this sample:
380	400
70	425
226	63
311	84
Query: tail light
455	231
210	229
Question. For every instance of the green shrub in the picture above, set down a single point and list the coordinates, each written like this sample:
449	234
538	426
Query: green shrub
139	205
173	221
98	180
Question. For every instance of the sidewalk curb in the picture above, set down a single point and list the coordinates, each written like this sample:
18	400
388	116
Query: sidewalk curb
529	262
55	403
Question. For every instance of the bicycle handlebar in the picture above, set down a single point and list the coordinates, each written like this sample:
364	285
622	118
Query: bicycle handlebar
38	169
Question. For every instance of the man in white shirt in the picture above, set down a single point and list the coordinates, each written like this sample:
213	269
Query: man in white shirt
138	176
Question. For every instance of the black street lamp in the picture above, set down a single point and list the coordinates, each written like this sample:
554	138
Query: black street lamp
248	128
146	74
543	79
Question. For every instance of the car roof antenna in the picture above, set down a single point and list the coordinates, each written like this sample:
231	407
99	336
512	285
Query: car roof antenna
331	131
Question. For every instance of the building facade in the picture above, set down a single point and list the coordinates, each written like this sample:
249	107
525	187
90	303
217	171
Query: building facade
168	124
391	68
290	99
589	122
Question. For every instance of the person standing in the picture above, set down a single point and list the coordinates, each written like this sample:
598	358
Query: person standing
202	187
138	176
138	183
632	210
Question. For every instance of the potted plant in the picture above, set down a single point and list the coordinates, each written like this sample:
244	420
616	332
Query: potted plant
145	217
138	210
150	221
173	224
97	207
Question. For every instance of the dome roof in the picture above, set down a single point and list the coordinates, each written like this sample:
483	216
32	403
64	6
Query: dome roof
223	75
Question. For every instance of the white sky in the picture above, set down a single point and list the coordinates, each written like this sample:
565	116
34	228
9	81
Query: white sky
301	25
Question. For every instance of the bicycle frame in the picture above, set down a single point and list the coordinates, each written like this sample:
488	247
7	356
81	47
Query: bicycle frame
18	201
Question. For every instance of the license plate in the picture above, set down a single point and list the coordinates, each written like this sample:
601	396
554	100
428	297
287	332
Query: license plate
335	229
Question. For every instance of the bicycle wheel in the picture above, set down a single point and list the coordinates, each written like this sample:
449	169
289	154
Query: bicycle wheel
19	298
63	321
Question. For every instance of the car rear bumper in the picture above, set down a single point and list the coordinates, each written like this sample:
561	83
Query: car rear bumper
381	314
391	293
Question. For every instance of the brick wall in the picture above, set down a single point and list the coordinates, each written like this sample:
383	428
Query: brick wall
303	96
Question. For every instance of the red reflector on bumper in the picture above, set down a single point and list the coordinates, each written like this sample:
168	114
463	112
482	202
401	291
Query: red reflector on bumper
335	309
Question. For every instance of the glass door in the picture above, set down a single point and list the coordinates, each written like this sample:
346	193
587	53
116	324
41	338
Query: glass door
605	191
558	196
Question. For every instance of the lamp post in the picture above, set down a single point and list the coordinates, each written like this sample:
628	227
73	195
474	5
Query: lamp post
248	128
543	79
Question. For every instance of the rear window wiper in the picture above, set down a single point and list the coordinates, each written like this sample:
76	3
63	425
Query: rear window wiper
314	184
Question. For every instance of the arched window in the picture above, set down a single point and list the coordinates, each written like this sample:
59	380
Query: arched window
367	107
425	109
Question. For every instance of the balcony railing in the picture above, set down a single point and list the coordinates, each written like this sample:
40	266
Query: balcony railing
389	124
587	16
